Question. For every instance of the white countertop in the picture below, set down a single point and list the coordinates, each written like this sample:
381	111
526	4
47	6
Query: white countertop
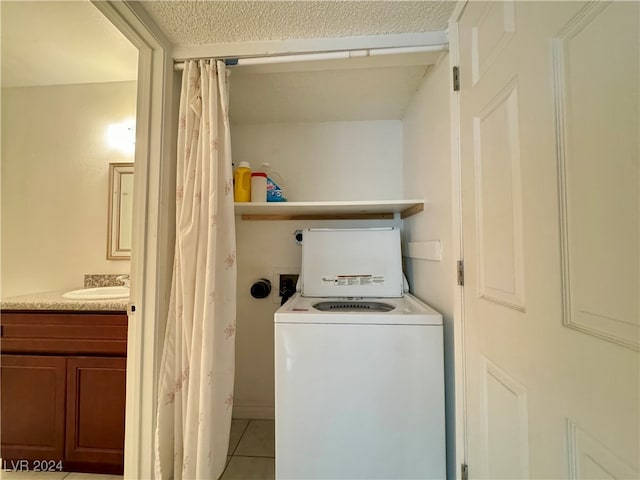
54	301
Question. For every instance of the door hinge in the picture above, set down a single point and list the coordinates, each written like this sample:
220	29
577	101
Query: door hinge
456	79
464	472
460	270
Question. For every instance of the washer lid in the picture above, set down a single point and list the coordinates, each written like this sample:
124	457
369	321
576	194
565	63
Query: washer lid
351	263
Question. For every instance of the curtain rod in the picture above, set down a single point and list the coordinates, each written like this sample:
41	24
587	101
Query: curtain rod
308	57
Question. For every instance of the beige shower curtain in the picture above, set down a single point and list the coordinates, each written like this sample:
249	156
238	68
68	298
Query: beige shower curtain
195	396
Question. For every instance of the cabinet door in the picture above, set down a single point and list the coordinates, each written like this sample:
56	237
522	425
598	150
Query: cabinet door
95	413
33	402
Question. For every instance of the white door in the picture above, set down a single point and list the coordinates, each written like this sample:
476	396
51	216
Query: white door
550	179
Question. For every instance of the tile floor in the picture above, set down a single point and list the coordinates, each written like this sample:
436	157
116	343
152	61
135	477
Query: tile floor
251	451
251	456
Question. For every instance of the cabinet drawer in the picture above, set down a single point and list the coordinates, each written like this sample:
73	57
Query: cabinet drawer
64	333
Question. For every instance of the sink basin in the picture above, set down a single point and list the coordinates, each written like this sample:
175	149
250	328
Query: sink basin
98	293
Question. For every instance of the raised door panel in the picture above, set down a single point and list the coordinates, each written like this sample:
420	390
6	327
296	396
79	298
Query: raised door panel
505	423
490	34
599	170
499	200
33	396
95	413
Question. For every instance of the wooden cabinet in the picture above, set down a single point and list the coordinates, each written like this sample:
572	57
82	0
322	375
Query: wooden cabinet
33	407
95	410
63	381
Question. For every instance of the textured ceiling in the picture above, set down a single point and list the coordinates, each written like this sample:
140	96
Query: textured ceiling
355	89
53	43
193	22
62	42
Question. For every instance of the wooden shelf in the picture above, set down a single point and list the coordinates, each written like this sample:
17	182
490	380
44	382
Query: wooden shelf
346	210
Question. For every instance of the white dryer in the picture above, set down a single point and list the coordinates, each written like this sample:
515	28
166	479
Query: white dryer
358	366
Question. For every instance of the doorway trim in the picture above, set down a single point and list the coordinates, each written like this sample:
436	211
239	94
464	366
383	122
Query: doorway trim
457	236
153	232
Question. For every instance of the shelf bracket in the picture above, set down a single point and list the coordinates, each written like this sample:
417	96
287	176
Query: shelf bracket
412	211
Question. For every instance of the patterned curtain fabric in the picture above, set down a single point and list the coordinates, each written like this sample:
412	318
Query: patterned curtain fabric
195	396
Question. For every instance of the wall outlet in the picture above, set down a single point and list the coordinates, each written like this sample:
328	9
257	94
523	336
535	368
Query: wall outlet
275	279
287	282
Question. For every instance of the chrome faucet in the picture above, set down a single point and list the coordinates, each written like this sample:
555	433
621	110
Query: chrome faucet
125	279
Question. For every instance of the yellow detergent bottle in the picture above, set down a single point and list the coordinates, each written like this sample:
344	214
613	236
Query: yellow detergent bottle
242	187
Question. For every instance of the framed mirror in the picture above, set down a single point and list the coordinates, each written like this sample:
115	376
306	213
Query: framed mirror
120	211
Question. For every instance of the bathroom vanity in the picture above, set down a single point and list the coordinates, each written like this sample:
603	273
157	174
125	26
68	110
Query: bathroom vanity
63	386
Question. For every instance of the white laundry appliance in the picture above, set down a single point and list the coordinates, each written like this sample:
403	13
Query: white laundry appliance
358	366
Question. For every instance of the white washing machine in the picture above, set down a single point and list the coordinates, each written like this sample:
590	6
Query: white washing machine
358	366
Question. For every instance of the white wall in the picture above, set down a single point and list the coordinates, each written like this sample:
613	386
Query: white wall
320	161
327	160
427	174
55	172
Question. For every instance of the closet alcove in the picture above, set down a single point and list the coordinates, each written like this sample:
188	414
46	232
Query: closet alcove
334	130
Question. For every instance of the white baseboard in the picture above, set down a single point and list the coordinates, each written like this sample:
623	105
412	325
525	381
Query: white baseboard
258	412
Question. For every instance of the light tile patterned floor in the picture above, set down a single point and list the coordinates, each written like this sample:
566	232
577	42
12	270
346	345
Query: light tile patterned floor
18	475
252	451
251	457
245	468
